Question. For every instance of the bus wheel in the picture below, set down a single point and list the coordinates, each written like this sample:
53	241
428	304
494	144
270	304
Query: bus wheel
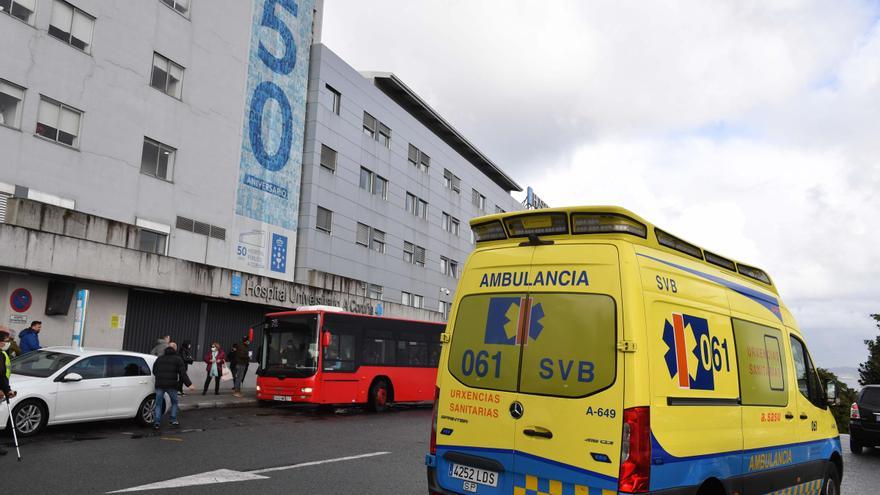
380	396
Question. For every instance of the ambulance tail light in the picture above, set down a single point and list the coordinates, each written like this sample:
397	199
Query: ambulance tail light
433	447
635	451
854	411
606	223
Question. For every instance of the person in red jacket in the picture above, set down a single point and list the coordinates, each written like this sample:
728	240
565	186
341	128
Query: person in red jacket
214	359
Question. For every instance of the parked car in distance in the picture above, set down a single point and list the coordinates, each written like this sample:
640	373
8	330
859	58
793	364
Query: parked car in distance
864	419
58	385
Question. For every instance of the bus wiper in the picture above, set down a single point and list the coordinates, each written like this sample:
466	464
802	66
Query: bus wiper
535	241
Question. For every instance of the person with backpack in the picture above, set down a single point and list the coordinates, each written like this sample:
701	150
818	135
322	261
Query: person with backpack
169	370
186	355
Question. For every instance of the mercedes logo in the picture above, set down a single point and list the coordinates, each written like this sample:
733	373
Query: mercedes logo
516	410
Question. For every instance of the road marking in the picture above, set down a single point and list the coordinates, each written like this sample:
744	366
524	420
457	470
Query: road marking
172	439
229	475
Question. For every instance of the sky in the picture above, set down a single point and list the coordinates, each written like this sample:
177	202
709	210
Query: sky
750	128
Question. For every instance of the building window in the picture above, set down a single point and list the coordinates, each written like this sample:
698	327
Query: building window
374	291
416	206
157	159
405	298
167	76
363	234
450	223
499	209
384	135
11	97
325	220
333	99
378	241
373	183
181	6
417	301
328	158
152	242
448	267
58	122
444	309
377	130
370	125
20	9
418	159
478	200
451	181
71	25
413	254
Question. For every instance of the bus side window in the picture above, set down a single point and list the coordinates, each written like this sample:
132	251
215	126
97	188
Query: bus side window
340	354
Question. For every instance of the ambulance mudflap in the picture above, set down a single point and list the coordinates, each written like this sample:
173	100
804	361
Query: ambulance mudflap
530	352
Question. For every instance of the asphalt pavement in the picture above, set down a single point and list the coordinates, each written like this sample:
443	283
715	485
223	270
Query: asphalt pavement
281	449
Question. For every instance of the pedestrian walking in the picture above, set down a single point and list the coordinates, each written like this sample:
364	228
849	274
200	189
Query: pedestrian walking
169	371
161	344
186	355
241	359
5	372
214	359
30	337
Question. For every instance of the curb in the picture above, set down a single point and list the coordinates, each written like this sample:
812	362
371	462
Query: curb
219	404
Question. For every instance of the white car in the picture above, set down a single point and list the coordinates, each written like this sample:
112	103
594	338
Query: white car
58	385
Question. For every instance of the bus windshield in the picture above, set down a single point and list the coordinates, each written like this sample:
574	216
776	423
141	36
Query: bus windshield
291	346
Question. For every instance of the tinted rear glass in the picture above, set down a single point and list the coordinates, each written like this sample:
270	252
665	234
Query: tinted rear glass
565	343
871	396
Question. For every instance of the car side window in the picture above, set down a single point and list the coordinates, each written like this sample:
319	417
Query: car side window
90	368
128	366
807	379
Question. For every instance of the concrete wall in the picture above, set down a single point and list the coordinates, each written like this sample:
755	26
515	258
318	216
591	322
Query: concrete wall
338	253
105	301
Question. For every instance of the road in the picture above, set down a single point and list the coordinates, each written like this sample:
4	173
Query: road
266	450
110	456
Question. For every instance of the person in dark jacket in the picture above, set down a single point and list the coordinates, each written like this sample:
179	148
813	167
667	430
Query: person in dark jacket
242	359
30	337
169	370
186	355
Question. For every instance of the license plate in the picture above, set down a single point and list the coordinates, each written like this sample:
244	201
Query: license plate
473	475
282	398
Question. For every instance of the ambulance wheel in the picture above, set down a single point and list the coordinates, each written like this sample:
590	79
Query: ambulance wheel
855	446
831	483
380	396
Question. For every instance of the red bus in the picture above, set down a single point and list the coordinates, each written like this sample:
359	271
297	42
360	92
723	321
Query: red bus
324	356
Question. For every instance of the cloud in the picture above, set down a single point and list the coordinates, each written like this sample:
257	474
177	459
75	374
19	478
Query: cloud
747	127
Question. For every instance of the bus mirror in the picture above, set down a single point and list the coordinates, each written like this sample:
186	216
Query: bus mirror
831	393
326	338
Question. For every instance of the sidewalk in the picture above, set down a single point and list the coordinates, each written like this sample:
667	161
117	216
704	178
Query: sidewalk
195	400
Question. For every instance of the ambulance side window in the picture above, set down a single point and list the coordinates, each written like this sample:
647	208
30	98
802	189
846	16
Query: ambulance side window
807	379
761	361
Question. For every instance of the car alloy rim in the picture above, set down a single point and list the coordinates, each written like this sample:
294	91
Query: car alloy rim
147	411
28	418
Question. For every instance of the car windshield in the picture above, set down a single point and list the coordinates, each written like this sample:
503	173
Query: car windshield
291	346
40	364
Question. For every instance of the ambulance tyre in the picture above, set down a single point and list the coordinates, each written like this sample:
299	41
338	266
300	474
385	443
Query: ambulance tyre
855	446
380	395
831	483
711	487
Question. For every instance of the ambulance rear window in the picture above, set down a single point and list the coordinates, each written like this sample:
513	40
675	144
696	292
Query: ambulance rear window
565	343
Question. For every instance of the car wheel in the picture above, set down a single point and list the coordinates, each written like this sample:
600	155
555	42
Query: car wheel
831	483
380	396
145	411
855	446
29	418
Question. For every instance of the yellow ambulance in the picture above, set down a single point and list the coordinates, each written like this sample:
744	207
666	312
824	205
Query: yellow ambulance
590	353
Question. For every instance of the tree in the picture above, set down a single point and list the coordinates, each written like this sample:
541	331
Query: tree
869	371
845	397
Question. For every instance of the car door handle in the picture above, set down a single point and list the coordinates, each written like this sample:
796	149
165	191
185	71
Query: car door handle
105	384
789	415
538	432
803	416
